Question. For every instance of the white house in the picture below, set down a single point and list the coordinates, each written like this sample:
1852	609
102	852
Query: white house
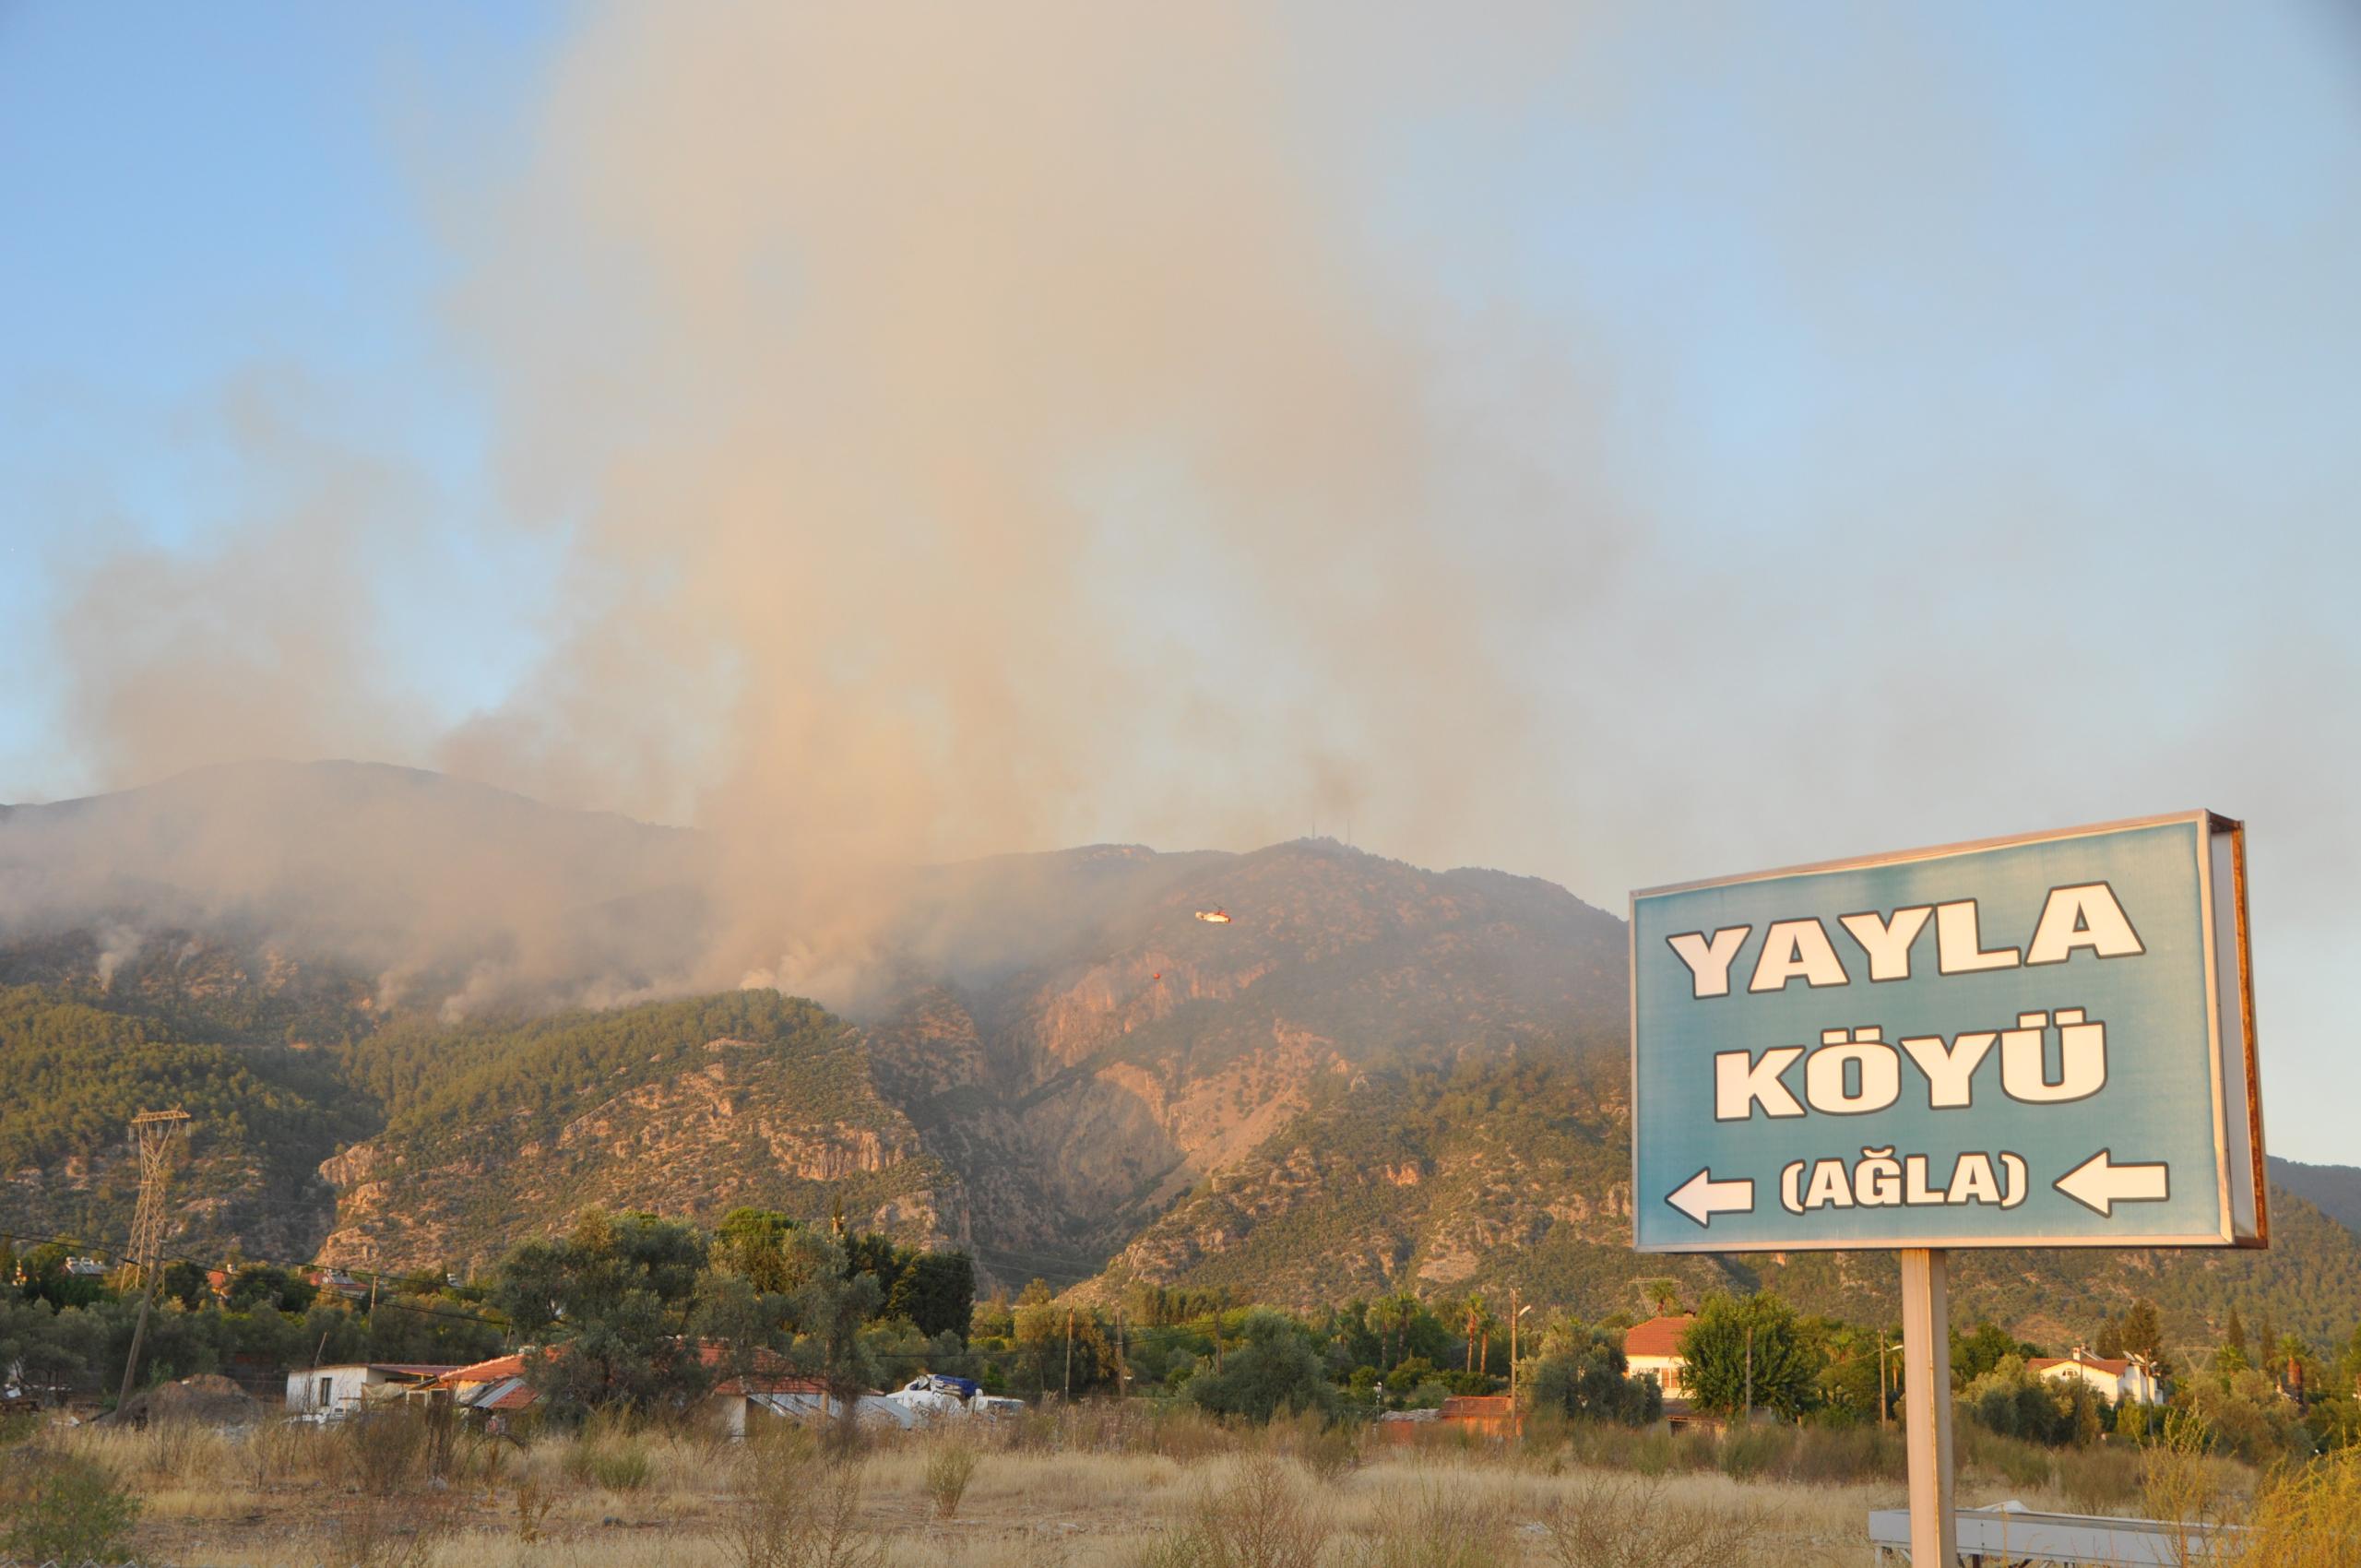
333	1391
2112	1380
1653	1349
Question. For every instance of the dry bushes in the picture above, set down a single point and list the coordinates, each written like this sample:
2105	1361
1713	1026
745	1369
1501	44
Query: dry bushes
56	1505
273	1453
801	1508
1258	1517
950	1465
2306	1517
1627	1522
1433	1525
1329	1450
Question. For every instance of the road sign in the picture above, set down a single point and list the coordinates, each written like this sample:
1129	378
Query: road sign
2038	1041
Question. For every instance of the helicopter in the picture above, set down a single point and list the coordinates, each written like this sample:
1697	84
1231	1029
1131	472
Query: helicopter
1213	917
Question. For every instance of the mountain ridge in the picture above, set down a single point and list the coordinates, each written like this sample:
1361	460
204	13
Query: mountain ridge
1374	1074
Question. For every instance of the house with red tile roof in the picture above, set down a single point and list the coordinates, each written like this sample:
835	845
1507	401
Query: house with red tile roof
1653	1349
2113	1379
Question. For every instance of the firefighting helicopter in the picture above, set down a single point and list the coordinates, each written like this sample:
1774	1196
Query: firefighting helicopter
1213	917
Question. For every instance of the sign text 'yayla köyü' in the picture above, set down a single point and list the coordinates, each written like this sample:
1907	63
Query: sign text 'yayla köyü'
2038	1042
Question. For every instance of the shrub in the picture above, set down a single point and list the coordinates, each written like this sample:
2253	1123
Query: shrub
2306	1517
274	1451
366	1530
608	1455
801	1510
1847	1453
1620	1522
2100	1480
1751	1452
950	1465
1260	1519
382	1450
1432	1528
63	1507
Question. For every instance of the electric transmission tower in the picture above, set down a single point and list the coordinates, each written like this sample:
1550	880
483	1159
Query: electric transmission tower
156	1131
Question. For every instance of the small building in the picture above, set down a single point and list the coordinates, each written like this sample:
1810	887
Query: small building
486	1388
337	1282
1653	1349
1491	1416
2111	1379
337	1391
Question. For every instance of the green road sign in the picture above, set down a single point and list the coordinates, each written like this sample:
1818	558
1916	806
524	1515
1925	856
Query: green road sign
2038	1042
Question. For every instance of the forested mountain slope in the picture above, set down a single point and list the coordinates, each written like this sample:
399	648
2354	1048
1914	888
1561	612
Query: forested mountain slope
1368	1076
2334	1189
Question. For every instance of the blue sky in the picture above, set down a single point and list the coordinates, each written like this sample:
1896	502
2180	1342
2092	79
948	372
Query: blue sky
1959	408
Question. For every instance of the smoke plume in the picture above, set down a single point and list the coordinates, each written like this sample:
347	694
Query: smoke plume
963	430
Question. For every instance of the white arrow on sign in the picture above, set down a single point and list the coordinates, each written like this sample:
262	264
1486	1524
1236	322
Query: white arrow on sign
2098	1183
1700	1198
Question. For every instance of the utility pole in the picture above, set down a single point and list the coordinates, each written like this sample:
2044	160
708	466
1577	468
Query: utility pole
1750	1374
1884	1416
1512	1317
1069	1355
1122	1359
156	1131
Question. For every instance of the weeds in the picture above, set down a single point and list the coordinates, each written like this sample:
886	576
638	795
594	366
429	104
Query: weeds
1329	1450
373	1530
1626	1522
532	1511
608	1455
801	1510
382	1450
62	1507
1429	1527
2182	1488
277	1451
950	1465
2307	1518
1260	1519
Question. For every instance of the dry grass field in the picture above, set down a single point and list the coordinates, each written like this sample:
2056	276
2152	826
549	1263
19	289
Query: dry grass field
1093	1489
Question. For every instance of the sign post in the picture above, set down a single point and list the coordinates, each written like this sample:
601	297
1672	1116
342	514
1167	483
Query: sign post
2042	1042
1927	1405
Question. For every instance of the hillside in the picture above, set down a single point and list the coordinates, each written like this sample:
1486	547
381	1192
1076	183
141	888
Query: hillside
1080	1095
267	1115
687	1107
1516	1173
2334	1189
1370	1075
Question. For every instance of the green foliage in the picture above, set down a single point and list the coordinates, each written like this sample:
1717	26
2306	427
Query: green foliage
619	1288
267	1285
62	1507
265	1114
1755	1348
1580	1374
1277	1369
2010	1401
1975	1354
2247	1416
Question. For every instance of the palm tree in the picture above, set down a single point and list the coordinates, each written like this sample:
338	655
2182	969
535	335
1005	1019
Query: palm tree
1474	1322
1664	1295
1385	1315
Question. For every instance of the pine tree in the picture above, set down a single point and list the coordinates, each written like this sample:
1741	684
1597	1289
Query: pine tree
2110	1340
2142	1331
2235	1337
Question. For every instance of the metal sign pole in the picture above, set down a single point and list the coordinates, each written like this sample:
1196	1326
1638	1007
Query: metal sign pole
1927	1406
